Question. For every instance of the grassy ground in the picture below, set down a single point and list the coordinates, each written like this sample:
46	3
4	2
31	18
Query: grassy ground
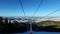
48	23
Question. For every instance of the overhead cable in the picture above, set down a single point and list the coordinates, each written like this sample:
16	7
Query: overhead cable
22	7
40	3
51	13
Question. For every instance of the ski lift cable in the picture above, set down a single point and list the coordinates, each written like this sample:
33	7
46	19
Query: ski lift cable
51	13
40	3
22	7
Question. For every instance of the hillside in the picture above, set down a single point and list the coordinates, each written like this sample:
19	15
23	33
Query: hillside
49	23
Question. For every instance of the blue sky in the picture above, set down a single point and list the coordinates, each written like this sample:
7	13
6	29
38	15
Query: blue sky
13	7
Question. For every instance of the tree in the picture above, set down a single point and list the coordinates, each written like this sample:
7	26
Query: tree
6	20
1	20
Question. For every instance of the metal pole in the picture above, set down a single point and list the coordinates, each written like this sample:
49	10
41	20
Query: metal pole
30	28
30	21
